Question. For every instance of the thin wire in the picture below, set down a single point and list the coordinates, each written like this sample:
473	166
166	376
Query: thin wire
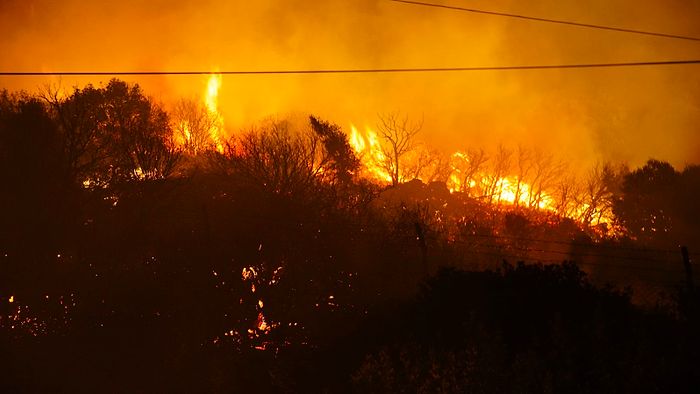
572	256
504	256
538	19
573	243
354	71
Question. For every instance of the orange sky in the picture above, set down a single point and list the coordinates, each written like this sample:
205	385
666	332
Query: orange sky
585	115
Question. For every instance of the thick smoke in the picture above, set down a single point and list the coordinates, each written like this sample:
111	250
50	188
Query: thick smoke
621	114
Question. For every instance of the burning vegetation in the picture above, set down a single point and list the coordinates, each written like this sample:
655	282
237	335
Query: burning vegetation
394	154
295	236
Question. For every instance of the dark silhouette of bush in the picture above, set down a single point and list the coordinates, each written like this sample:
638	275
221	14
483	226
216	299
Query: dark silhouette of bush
657	205
528	328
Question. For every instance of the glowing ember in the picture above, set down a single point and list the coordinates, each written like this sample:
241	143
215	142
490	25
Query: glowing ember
248	273
262	324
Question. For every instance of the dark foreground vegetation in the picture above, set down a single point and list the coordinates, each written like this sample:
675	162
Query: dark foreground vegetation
131	264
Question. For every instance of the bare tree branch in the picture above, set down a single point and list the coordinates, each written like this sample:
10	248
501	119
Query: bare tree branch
398	135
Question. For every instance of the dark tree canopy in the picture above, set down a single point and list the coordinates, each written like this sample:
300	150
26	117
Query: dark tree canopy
658	204
34	196
343	162
114	134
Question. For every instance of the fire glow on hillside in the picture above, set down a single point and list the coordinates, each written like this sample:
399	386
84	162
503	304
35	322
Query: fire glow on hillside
464	173
467	175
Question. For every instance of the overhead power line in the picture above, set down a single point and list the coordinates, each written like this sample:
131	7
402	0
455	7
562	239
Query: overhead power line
571	243
353	71
613	261
574	243
547	20
565	253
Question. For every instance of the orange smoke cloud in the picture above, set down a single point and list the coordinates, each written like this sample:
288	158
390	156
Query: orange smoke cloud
583	115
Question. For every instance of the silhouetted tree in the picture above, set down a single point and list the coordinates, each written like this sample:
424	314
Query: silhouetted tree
113	134
192	123
652	204
34	195
546	170
428	165
468	166
342	162
596	200
78	118
280	160
565	194
138	132
398	139
523	166
501	165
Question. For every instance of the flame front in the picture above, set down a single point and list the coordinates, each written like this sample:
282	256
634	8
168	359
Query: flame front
506	189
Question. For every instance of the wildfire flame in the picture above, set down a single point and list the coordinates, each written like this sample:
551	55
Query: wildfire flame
185	127
184	134
211	101
507	189
369	150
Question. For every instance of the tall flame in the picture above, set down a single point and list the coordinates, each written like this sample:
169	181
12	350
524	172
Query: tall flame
211	101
